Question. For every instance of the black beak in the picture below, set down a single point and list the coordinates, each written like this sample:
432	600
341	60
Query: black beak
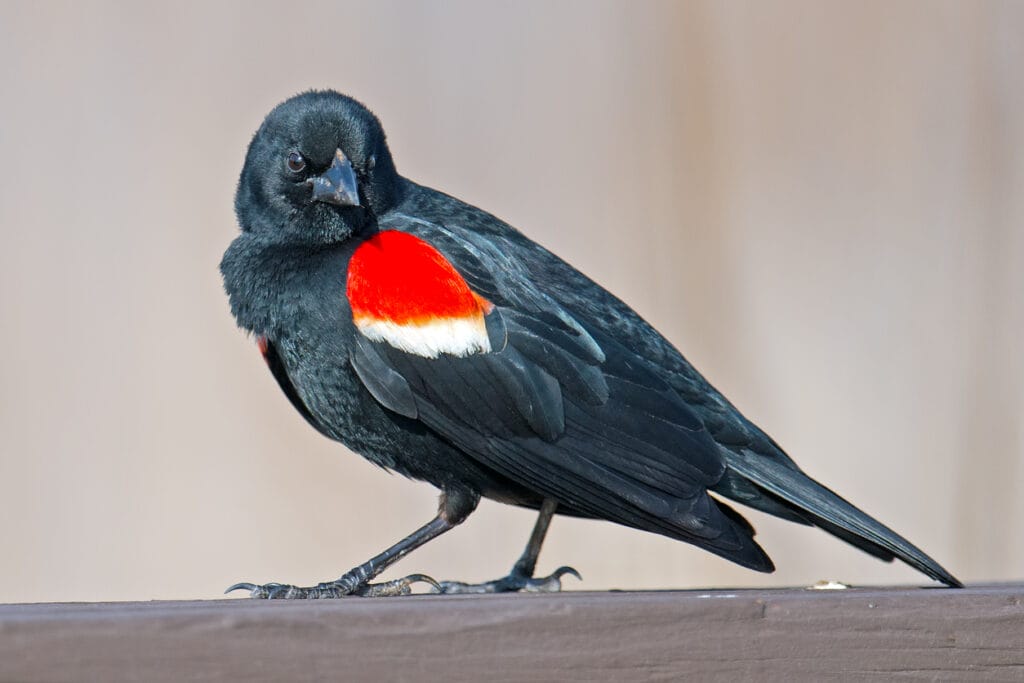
337	185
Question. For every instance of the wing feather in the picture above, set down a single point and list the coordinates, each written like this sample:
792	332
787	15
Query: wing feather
560	409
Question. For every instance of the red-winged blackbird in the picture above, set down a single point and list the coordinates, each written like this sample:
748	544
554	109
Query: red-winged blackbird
439	342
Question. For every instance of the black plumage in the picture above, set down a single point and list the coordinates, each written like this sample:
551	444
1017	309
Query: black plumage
578	406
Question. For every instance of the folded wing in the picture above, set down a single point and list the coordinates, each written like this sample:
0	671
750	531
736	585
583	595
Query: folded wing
530	392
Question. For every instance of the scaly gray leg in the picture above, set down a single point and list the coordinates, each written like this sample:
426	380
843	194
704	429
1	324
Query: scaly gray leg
521	577
453	509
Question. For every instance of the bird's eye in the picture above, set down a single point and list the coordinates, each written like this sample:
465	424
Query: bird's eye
372	162
296	162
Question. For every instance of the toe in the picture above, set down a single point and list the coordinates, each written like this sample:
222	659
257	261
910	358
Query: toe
397	587
551	583
422	578
283	591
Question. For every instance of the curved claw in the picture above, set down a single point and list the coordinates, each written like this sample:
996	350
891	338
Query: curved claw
562	571
422	578
396	587
552	583
260	592
267	591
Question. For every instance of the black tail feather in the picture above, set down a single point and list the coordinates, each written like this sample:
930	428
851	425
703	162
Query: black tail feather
828	510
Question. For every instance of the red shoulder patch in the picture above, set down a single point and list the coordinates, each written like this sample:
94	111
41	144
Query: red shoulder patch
397	277
404	291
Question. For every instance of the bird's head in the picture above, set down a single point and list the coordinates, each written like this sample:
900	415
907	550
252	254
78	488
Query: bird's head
317	171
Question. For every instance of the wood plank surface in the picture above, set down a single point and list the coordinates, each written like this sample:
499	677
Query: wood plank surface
764	635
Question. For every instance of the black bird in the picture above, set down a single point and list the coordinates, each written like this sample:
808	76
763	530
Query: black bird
437	341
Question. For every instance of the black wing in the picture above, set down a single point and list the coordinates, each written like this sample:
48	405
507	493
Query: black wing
561	409
758	473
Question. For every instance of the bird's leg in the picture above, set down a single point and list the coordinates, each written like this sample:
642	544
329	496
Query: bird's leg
356	581
453	509
521	577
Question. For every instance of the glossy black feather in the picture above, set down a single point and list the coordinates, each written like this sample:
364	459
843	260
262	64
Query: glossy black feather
795	487
277	369
386	385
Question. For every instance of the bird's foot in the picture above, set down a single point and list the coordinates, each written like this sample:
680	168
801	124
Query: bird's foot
515	581
340	588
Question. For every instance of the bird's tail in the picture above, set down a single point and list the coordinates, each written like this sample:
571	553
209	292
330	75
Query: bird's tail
791	491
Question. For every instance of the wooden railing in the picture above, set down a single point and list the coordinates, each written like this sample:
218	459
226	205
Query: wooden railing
856	634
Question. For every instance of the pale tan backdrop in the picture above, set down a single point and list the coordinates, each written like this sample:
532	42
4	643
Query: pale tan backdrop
821	203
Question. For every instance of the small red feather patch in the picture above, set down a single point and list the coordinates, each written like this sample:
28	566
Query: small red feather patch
405	292
264	347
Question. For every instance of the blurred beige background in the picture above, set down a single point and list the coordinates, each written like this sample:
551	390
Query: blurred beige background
822	204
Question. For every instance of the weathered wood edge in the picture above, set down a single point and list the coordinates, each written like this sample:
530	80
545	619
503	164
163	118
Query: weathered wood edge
787	634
